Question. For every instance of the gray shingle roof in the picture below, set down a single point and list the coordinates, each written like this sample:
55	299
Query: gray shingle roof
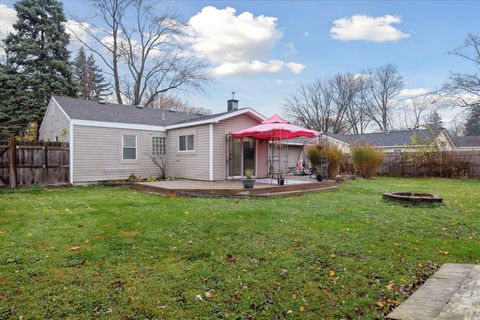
110	112
386	139
467	141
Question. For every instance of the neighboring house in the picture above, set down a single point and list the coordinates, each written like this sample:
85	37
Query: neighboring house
111	141
395	141
467	143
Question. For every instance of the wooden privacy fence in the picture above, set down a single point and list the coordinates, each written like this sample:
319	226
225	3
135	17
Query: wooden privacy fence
445	164
27	163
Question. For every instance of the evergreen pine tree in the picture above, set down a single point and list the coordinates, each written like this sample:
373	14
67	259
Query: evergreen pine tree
435	121
472	126
89	77
100	89
37	65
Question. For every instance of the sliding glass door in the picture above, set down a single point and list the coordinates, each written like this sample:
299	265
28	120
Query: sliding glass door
241	156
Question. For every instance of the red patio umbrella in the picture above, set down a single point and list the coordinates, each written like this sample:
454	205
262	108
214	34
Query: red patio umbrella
275	128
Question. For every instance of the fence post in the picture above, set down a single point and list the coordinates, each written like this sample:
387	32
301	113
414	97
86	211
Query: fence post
45	163
12	161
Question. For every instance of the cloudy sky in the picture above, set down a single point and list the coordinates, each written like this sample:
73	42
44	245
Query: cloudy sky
264	49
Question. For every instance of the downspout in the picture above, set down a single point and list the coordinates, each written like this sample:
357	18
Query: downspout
211	152
70	151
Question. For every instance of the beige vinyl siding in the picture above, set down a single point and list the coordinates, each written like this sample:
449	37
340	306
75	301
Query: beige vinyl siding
97	154
220	131
54	124
262	159
189	164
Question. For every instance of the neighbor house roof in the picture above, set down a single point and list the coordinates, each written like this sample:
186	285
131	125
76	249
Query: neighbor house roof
390	139
82	109
467	141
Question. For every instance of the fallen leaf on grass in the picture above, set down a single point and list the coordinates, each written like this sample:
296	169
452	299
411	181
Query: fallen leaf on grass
74	249
231	258
389	286
3	231
330	273
209	295
444	253
302	309
128	234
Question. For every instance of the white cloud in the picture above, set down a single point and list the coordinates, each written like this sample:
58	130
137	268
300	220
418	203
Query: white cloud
279	81
290	49
244	68
77	32
295	67
413	92
237	44
8	17
362	27
306	34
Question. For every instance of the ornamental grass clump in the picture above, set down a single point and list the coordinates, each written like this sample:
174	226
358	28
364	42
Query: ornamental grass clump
331	153
367	159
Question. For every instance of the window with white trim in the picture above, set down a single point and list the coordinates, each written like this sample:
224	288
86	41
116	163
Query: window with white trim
129	146
159	145
186	142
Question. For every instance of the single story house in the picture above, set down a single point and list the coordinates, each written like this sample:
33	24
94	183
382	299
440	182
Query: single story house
467	143
395	141
110	141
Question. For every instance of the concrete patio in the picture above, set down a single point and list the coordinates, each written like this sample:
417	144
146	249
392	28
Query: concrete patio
234	188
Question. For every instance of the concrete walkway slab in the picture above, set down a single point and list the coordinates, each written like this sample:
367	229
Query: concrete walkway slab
465	303
432	297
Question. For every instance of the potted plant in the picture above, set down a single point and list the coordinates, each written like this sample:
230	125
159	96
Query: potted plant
248	182
318	173
281	177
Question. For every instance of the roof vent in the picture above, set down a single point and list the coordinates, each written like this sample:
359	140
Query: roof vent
232	104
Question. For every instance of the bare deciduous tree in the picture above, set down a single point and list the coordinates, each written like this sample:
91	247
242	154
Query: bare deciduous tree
383	84
333	105
418	112
313	106
465	87
144	51
165	101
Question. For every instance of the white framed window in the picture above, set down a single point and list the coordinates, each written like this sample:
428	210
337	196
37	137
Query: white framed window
159	145
129	147
186	143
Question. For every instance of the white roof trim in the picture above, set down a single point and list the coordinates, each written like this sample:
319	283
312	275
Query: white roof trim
254	113
118	125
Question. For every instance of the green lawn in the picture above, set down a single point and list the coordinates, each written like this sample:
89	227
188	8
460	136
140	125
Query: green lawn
99	252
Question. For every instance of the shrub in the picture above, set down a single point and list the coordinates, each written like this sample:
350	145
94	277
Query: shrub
367	159
334	156
330	152
313	155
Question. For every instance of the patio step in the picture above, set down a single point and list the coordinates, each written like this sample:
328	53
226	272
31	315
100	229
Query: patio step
453	292
294	192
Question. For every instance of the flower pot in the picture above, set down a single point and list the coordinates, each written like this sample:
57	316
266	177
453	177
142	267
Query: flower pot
281	181
319	177
248	183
